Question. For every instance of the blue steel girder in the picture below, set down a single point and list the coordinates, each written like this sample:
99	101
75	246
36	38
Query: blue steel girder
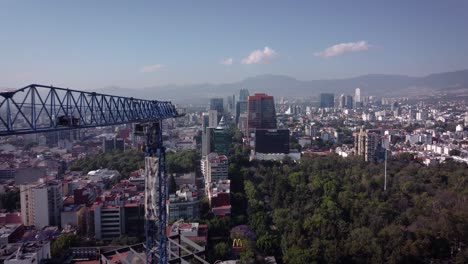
40	108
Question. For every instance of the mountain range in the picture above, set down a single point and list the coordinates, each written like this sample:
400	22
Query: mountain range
455	82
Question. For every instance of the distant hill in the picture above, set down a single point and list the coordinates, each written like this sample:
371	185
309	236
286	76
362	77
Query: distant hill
279	85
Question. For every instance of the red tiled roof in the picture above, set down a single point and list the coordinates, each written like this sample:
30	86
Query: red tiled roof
221	199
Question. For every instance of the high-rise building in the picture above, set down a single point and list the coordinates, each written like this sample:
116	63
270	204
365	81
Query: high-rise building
349	102
207	138
342	101
221	139
205	121
327	100
41	204
357	97
261	112
243	94
368	144
241	108
231	104
217	104
216	139
213	117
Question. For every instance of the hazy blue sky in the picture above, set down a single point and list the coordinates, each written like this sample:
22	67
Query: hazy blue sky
91	44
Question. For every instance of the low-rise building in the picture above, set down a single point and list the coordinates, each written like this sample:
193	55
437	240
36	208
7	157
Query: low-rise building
184	204
75	216
219	197
26	253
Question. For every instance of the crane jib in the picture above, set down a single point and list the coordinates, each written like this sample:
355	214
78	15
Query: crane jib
40	108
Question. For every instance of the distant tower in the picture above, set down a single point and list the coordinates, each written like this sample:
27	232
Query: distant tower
243	94
241	105
349	101
342	101
213	117
327	100
217	104
357	97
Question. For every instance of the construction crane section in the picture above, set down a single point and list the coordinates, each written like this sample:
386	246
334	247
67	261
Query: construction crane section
39	108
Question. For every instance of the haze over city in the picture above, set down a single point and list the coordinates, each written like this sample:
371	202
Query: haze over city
91	45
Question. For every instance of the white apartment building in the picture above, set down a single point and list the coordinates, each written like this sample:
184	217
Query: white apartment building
41	204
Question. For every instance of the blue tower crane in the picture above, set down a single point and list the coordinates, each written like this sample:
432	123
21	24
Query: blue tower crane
40	108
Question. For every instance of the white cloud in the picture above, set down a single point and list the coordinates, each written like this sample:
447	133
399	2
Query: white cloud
227	61
342	48
151	68
258	56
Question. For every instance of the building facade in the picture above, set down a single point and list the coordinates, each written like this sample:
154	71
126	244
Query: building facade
215	167
41	204
327	100
261	112
217	104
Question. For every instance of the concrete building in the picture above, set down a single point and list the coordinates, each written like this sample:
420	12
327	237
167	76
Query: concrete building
342	101
194	231
241	108
10	233
75	217
271	141
103	175
218	105
216	139
215	167
108	221
261	112
184	204
112	144
41	203
27	253
368	144
421	116
219	197
213	116
349	102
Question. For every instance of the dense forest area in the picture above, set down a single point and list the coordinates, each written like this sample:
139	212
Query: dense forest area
130	160
334	210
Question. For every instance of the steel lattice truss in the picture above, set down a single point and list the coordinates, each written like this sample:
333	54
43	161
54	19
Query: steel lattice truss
39	108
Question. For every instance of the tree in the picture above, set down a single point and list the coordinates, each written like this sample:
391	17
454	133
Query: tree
454	152
267	243
125	240
172	184
62	243
10	200
329	209
222	251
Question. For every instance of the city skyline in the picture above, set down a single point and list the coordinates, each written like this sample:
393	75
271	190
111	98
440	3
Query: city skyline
91	45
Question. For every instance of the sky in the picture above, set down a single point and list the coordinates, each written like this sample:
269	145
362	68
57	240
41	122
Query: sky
134	44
